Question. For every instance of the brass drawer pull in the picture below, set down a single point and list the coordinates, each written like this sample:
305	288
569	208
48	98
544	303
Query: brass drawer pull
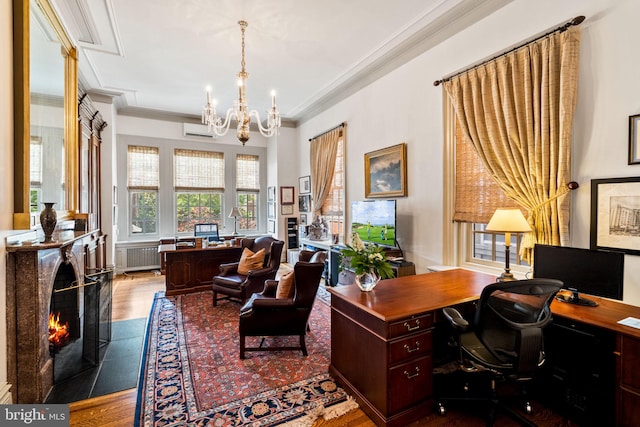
411	350
412	328
409	376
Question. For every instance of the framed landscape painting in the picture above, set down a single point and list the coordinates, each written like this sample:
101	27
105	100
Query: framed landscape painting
614	206
385	172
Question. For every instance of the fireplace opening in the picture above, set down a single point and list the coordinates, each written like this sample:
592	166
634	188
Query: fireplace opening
79	322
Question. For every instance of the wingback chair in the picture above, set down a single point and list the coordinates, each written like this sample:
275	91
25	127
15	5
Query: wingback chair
264	314
233	285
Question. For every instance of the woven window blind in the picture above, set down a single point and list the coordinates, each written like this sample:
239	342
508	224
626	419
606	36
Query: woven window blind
247	172
334	203
143	167
35	161
195	170
477	193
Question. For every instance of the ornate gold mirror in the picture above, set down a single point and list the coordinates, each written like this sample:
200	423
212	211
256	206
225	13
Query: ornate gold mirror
46	87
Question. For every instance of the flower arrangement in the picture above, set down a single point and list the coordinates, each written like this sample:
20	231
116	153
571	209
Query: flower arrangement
366	258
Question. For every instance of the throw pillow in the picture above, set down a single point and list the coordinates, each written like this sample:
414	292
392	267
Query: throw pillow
250	261
285	287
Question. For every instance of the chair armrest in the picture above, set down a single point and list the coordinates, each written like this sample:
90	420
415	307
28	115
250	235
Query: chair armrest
455	318
227	269
270	288
273	302
258	272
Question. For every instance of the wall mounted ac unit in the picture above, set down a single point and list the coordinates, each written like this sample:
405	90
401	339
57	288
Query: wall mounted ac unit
192	129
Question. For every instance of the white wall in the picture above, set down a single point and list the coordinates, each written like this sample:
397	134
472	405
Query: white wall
404	106
6	171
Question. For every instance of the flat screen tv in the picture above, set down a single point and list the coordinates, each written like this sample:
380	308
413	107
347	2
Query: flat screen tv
375	221
593	272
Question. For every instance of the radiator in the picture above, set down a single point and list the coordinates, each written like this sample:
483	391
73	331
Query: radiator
141	256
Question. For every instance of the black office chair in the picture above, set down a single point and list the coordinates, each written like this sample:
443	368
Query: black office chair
503	344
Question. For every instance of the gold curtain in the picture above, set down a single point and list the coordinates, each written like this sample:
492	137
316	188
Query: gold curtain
517	110
324	149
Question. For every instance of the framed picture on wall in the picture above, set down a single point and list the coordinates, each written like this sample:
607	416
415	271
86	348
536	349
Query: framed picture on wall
286	195
303	219
286	209
304	203
271	194
385	172
272	226
271	209
614	206
304	184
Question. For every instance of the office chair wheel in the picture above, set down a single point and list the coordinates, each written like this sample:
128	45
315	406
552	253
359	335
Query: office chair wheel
528	408
441	409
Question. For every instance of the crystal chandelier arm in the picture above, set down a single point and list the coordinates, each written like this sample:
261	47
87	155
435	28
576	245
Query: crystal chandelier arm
273	122
219	127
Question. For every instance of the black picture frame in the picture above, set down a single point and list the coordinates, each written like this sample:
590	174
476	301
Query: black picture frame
634	139
304	184
304	203
611	229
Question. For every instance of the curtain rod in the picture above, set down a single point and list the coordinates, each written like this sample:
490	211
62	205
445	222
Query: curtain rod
575	21
328	130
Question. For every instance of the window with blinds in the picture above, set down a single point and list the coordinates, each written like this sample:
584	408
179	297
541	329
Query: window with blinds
143	178
333	208
247	190
477	198
199	188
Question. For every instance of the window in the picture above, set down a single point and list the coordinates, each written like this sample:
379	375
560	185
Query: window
477	196
333	208
199	187
247	190
143	181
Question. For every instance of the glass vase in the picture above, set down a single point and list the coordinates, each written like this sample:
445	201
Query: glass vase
367	281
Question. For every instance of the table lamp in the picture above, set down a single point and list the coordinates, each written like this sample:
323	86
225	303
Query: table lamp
235	214
507	221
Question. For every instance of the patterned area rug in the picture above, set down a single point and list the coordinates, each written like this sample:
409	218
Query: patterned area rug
192	375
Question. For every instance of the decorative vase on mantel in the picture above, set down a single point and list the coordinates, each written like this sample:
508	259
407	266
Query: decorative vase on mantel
367	281
48	220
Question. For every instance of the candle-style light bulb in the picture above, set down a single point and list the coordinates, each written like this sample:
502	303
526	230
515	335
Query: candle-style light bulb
208	94
273	99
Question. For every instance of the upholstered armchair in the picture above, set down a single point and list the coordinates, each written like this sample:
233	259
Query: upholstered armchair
282	312
234	284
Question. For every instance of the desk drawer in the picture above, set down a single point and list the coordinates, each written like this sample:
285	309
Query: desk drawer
409	383
406	348
410	325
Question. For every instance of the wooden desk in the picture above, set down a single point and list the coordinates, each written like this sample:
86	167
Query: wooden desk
382	342
192	269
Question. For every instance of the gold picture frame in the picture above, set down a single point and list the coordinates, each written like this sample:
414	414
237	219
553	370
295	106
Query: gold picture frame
385	172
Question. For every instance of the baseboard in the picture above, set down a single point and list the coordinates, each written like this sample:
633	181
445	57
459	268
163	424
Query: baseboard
5	394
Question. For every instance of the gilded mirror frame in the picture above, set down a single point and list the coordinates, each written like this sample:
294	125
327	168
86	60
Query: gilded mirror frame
22	217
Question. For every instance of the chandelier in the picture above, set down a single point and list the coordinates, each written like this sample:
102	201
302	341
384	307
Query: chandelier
240	112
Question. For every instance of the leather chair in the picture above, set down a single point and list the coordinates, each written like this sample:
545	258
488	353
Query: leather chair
504	343
236	286
267	316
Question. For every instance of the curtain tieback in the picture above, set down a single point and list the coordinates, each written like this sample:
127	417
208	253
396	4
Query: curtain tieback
563	190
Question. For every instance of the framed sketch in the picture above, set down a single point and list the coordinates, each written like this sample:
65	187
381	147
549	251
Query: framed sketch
303	219
271	210
286	195
385	172
286	209
634	139
271	194
614	206
304	203
272	226
304	184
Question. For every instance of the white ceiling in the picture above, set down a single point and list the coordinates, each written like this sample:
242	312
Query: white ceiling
158	56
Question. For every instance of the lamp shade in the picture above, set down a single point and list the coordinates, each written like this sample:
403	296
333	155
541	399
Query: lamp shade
508	220
235	213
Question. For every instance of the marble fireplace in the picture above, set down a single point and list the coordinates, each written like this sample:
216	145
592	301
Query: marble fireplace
42	278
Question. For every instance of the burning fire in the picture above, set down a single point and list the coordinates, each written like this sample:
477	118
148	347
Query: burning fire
58	332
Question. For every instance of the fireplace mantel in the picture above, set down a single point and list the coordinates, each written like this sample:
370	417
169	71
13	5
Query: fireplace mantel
31	269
